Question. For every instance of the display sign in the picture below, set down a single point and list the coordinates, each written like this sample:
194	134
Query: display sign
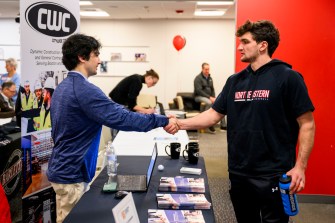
125	211
44	26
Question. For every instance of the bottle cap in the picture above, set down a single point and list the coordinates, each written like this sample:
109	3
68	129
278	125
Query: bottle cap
285	179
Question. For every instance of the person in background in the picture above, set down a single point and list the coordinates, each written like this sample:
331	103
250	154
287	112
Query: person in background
204	92
27	98
38	103
48	90
11	75
7	106
126	92
269	111
78	111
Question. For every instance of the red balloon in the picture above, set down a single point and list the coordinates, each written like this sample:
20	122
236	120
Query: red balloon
179	42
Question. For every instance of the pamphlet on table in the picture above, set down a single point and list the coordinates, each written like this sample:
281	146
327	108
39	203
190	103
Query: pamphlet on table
182	201
182	184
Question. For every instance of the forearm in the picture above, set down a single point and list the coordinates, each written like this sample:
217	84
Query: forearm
203	120
306	140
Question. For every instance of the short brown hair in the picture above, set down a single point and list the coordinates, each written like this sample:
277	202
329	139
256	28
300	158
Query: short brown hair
262	30
7	84
204	64
151	73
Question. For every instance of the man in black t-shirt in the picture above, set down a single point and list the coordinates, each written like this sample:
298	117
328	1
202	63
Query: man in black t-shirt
267	107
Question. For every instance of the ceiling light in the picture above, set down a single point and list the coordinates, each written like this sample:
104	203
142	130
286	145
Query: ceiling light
216	3
94	13
209	13
85	3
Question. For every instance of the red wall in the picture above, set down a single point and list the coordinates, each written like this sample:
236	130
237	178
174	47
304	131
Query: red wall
307	31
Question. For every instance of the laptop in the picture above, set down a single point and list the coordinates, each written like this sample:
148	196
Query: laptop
161	108
138	183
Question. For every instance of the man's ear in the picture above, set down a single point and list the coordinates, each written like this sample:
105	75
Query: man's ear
264	46
81	59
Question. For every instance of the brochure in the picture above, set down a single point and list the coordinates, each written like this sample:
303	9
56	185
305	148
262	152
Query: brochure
180	216
182	201
182	184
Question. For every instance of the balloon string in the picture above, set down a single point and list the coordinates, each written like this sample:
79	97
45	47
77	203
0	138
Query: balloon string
178	73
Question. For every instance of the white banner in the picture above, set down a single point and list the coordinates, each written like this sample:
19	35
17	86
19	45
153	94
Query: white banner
45	25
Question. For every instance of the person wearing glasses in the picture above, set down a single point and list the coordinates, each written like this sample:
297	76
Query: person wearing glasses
11	75
126	92
7	106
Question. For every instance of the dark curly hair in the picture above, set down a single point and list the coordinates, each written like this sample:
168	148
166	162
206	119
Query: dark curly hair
78	45
262	30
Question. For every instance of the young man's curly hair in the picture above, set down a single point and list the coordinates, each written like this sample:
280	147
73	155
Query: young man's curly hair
262	30
78	45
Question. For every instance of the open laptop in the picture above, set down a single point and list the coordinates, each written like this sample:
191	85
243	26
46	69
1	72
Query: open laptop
161	108
137	183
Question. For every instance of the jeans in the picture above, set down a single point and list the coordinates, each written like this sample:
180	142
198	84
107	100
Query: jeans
208	105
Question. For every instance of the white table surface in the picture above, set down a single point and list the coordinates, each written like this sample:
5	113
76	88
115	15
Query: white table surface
5	120
142	143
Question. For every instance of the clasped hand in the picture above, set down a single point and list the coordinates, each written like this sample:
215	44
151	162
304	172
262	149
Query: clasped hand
173	126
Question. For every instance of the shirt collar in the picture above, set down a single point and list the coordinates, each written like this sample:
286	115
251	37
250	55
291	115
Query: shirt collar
5	97
79	73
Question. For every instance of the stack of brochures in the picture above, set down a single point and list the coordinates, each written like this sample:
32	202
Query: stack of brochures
180	216
182	184
182	201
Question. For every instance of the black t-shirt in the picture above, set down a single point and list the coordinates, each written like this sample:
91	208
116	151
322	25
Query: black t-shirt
126	92
262	108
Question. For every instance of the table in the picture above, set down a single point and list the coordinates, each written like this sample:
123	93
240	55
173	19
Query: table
96	206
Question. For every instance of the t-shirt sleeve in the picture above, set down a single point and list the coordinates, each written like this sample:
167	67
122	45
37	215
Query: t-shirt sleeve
297	94
220	104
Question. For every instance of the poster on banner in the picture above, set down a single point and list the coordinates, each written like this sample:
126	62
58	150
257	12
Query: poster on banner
44	26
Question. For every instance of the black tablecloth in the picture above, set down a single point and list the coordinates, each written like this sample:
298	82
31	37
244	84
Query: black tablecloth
96	206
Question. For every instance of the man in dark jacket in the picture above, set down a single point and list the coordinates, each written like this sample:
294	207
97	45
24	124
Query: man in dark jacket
204	92
7	106
268	107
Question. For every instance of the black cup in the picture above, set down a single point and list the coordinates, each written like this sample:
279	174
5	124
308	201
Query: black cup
174	150
192	149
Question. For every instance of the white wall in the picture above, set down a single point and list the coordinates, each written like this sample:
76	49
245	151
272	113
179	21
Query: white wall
9	42
211	41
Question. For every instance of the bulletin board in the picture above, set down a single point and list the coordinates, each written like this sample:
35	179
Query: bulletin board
124	60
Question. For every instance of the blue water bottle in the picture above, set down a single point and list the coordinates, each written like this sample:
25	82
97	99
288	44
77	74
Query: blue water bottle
289	200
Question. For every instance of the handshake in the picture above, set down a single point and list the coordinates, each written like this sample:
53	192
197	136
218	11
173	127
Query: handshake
173	126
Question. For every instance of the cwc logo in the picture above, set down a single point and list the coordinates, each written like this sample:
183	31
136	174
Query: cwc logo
51	19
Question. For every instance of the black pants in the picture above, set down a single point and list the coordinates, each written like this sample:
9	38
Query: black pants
257	200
